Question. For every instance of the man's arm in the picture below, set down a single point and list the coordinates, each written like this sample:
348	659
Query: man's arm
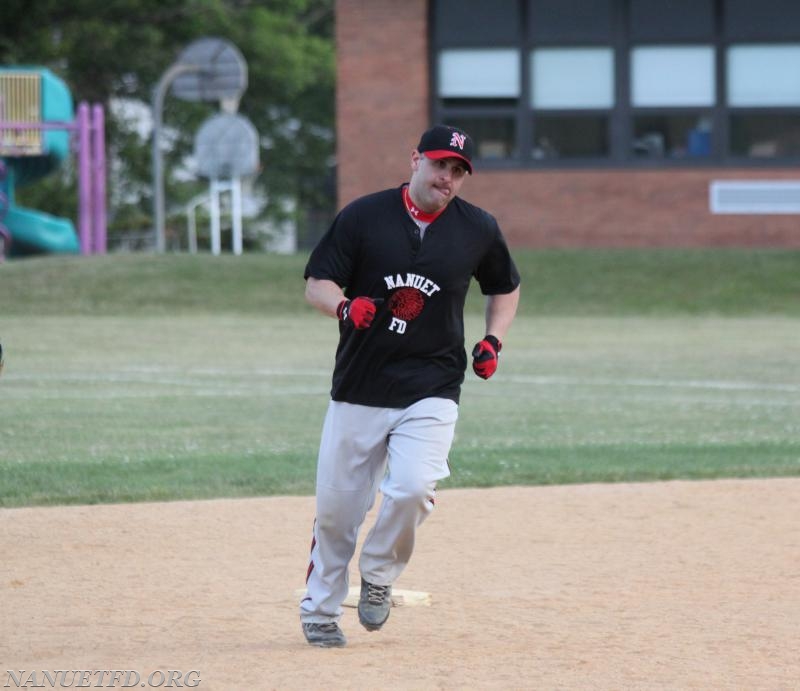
325	295
500	312
329	299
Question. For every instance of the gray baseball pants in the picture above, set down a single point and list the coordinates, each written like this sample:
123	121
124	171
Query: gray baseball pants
401	451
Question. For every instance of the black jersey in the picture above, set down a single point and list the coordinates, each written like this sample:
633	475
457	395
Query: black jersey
415	346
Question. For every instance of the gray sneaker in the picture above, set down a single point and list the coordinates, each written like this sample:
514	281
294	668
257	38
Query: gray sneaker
374	605
327	635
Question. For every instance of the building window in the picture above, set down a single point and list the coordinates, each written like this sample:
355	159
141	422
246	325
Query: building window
481	90
668	76
775	20
566	83
486	74
620	82
574	78
570	137
676	135
563	22
681	79
763	75
476	22
677	20
757	135
764	100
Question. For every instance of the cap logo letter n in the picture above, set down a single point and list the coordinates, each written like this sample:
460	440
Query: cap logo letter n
457	140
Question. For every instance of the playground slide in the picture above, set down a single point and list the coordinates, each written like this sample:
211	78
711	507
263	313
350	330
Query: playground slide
36	232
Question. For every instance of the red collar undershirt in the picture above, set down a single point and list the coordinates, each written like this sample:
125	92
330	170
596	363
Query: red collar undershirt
417	213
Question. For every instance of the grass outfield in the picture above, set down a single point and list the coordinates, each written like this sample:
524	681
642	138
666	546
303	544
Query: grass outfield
149	378
556	282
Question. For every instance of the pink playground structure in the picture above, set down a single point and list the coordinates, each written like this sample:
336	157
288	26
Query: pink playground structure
37	131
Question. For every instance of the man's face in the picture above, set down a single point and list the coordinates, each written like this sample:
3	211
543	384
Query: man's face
435	182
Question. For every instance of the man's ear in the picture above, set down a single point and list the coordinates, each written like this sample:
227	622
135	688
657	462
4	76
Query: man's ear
416	157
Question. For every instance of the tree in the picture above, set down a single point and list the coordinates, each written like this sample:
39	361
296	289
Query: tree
108	50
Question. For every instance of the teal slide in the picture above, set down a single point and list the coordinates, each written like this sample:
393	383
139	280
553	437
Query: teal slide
35	232
30	231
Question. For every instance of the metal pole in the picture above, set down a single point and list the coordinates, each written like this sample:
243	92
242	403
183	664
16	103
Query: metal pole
99	216
159	95
216	231
191	227
84	180
236	213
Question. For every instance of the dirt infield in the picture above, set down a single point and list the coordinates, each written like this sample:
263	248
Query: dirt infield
679	585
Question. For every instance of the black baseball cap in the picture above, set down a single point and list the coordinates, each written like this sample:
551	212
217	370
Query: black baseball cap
443	141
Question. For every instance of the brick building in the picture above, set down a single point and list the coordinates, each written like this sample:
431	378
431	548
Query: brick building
597	122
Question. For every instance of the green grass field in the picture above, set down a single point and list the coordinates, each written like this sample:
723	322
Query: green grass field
141	377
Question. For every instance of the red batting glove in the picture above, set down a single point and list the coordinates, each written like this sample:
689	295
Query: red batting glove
484	356
359	311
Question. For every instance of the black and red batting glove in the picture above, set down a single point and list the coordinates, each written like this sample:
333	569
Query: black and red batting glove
484	356
359	311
